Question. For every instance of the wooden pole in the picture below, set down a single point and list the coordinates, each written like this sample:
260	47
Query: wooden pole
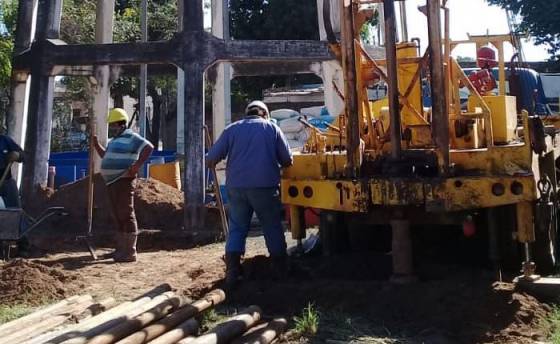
171	321
99	327
74	331
37	315
135	324
265	333
185	329
47	323
226	331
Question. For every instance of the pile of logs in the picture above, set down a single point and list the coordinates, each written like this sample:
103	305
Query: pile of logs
160	316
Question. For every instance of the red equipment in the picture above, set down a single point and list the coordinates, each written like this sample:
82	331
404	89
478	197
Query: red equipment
486	57
483	81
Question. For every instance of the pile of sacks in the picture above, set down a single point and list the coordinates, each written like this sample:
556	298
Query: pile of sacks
296	133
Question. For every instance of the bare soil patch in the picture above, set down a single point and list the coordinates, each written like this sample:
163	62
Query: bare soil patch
25	282
459	304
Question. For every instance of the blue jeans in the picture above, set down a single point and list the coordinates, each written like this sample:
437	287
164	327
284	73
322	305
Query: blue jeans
265	202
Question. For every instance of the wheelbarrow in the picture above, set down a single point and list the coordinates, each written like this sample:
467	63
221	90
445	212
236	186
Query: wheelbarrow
15	224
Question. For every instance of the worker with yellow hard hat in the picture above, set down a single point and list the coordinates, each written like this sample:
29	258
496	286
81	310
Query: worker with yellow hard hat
121	160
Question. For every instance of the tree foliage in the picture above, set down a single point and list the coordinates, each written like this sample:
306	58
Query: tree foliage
273	19
8	14
539	19
269	19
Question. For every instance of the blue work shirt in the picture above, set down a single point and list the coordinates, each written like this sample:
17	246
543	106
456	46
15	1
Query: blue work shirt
256	150
7	145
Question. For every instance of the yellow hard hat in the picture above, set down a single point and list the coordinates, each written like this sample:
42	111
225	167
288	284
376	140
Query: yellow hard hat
117	115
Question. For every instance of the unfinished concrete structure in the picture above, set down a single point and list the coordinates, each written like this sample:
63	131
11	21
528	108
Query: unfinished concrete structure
41	56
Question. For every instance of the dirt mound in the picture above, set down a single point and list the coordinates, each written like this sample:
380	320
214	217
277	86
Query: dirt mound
458	306
158	206
25	282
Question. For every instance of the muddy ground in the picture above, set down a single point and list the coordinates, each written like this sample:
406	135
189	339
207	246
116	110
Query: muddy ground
453	303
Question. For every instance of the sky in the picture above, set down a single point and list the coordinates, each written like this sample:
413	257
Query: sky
470	16
467	16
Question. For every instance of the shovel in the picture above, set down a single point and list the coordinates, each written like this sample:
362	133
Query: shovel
89	235
219	200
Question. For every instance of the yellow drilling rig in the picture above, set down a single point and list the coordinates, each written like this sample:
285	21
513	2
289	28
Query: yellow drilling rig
397	162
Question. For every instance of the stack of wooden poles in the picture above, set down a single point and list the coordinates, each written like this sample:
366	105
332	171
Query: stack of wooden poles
160	316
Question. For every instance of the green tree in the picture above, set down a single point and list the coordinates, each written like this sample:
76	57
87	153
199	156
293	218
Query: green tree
539	19
8	14
78	26
261	20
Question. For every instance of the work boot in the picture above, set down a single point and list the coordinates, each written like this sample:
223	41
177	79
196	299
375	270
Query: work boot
128	248
280	267
118	251
233	270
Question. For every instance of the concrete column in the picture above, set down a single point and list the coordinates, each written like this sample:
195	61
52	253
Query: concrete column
17	116
39	121
331	70
103	34
180	91
221	90
143	70
194	182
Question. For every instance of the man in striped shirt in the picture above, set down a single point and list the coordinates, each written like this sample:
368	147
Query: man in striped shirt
121	160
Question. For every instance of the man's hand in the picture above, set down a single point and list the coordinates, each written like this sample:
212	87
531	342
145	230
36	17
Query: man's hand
13	156
132	171
97	146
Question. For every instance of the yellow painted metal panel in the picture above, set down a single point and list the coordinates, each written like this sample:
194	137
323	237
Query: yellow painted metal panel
504	116
346	196
316	166
453	194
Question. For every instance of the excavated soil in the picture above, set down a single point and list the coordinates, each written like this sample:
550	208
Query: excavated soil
158	205
448	304
159	209
25	282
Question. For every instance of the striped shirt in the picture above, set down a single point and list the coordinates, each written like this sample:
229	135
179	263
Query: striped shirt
122	152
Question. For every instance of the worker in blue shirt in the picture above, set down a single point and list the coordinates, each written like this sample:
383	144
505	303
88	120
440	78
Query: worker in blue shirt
10	152
256	150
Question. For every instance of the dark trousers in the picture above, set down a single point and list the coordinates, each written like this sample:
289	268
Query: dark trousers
121	199
265	202
10	194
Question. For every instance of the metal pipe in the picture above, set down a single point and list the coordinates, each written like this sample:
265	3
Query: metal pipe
351	93
404	21
403	271
440	116
393	84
